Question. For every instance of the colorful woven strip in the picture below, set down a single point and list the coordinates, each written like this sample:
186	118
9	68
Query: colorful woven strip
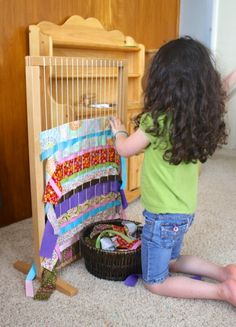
67	149
93	182
29	281
66	135
55	161
86	194
54	197
67	183
83	185
48	285
89	214
75	213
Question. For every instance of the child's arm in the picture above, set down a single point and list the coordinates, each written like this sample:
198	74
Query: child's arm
229	81
127	145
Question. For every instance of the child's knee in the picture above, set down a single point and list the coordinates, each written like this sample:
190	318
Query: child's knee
156	288
172	265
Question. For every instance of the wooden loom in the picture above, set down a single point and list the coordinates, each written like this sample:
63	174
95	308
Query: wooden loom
106	58
62	90
79	37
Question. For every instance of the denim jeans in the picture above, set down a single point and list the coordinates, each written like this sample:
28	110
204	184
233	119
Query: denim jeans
162	239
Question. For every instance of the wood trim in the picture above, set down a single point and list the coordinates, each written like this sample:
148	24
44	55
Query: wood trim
36	167
177	17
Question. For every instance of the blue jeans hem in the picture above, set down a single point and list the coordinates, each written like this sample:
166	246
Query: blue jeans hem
157	280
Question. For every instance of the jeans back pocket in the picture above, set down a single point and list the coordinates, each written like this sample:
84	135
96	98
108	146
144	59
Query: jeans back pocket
171	231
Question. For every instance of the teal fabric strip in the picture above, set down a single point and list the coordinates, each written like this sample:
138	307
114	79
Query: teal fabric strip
123	173
87	215
32	273
86	171
60	146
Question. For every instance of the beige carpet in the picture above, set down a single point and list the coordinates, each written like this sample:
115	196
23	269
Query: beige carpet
104	303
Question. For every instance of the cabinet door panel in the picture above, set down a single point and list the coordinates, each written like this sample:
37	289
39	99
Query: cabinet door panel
135	162
135	165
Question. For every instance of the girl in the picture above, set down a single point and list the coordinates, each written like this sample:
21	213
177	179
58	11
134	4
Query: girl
181	125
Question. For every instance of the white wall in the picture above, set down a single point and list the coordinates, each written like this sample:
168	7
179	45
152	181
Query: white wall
196	19
213	22
225	51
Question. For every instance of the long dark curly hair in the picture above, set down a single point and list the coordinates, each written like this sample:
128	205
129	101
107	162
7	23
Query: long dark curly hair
184	87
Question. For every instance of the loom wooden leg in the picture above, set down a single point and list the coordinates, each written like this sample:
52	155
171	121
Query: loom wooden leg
61	285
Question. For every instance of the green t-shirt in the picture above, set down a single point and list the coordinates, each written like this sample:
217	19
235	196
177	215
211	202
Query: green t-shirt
166	188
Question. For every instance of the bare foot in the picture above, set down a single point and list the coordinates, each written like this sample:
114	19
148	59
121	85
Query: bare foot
230	272
228	291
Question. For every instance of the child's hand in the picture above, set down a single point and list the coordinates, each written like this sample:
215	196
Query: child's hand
229	81
116	125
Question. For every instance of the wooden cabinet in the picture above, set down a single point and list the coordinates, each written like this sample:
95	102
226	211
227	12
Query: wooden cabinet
134	163
87	38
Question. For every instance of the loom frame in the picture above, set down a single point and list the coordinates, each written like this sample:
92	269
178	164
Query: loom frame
34	90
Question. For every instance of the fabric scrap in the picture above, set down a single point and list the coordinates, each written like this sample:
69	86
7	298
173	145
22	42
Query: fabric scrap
29	291
131	280
49	241
48	285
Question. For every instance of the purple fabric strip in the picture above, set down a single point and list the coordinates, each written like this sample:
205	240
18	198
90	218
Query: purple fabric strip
48	242
86	194
123	199
131	280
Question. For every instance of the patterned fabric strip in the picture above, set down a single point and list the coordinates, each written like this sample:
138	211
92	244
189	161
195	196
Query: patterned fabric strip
77	146
69	242
70	254
83	187
68	131
87	172
85	161
86	194
78	179
58	251
50	263
62	146
85	151
53	185
51	215
53	162
89	214
77	212
64	135
48	285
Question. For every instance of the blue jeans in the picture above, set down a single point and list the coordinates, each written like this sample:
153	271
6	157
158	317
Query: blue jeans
162	239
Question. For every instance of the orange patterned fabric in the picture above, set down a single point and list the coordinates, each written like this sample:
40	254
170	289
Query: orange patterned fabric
83	162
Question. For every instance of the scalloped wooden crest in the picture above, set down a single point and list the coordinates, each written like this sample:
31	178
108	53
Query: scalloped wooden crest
78	20
89	30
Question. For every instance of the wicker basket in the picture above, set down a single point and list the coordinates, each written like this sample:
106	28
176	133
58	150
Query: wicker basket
111	265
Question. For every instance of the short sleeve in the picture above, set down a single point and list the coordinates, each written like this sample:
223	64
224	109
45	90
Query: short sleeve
145	123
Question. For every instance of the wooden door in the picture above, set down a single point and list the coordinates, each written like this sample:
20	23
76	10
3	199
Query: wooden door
150	22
